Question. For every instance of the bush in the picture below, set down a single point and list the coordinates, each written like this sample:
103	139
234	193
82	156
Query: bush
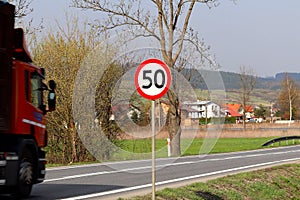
230	120
202	121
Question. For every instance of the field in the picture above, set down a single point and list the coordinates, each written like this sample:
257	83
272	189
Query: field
253	130
257	97
280	182
202	140
141	149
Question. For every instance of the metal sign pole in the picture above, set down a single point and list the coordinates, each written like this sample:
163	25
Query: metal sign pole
148	72
153	149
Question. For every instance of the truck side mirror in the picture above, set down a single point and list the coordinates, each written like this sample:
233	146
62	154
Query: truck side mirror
51	96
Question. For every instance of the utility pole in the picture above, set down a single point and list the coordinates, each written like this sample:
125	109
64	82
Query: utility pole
206	114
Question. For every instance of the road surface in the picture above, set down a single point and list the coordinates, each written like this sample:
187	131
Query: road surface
120	179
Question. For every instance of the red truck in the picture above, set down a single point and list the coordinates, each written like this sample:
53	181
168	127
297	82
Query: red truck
22	111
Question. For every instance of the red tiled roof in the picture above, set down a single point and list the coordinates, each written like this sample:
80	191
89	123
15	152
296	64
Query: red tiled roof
233	113
236	107
249	108
233	107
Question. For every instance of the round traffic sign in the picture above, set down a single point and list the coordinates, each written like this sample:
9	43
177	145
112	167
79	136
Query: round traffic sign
152	79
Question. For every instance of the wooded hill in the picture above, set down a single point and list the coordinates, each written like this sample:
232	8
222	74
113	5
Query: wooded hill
232	80
265	91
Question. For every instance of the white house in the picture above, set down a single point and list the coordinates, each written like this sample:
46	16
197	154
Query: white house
202	109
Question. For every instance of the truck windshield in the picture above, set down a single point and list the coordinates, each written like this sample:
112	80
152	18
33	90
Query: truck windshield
36	93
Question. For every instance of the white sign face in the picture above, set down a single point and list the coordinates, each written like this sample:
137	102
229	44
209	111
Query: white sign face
152	79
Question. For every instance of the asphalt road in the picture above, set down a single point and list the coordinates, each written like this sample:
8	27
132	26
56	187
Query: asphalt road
119	179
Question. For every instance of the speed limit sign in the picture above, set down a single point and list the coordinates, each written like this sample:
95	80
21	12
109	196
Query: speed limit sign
152	79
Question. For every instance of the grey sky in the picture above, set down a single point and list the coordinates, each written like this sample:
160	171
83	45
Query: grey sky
260	34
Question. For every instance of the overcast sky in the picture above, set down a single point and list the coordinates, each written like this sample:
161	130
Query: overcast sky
260	34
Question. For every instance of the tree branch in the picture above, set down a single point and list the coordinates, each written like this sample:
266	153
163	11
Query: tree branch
179	7
161	30
120	11
184	30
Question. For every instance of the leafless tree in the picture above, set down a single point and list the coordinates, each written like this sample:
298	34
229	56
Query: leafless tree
23	7
248	81
23	10
168	23
288	97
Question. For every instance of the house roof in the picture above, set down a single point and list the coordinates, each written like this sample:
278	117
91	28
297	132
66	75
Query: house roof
233	113
233	107
188	109
198	102
249	108
236	107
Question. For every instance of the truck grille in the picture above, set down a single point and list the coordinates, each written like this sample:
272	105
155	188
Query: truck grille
2	123
2	173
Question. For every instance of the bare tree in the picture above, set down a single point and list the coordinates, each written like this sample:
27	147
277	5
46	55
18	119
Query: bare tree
168	23
288	97
23	10
248	81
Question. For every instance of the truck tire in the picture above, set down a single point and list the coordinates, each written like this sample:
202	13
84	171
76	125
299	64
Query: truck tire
25	177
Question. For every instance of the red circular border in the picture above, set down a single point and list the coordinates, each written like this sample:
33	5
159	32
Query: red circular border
140	67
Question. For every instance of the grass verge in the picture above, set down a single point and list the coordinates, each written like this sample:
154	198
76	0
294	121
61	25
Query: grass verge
280	182
141	149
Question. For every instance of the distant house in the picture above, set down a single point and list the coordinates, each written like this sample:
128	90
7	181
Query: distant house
236	110
232	111
201	109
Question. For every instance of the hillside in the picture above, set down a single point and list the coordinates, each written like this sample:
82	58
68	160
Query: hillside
232	80
265	91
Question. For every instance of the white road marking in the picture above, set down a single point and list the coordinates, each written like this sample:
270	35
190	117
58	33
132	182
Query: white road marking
177	180
164	165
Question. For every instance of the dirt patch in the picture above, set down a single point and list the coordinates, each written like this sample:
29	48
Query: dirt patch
236	131
226	131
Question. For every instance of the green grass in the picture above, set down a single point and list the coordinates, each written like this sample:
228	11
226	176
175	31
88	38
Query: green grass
224	145
280	182
141	149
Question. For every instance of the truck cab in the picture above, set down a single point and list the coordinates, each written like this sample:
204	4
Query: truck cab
22	110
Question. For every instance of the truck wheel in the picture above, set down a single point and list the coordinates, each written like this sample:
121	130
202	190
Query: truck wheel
25	178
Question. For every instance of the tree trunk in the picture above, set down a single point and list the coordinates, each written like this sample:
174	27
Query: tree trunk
174	124
73	134
291	111
244	120
65	151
